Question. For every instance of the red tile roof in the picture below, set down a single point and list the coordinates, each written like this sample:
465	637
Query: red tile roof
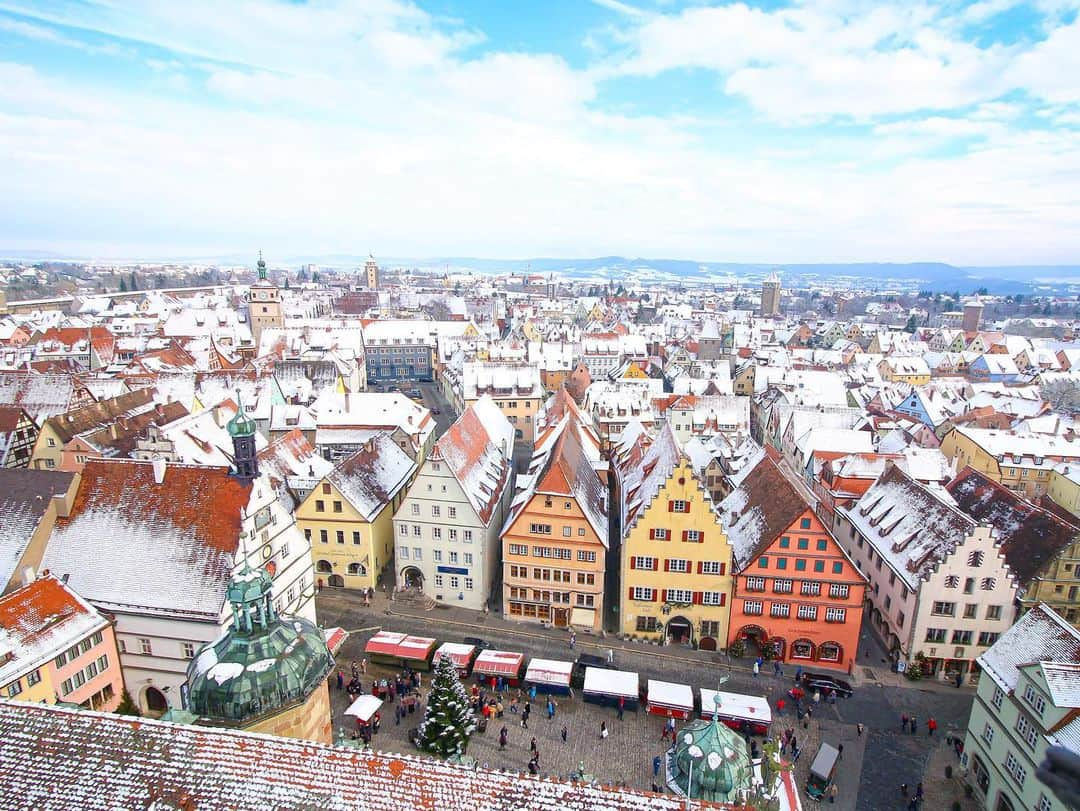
55	758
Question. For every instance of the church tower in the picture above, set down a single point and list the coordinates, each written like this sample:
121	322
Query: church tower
770	296
264	304
242	430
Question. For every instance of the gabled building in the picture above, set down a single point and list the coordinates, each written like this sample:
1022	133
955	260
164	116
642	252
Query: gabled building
18	432
55	646
156	544
798	596
515	388
1027	701
447	528
1021	462
676	562
348	517
1041	546
941	588
555	540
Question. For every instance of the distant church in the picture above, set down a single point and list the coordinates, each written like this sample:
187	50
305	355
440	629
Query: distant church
264	305
770	296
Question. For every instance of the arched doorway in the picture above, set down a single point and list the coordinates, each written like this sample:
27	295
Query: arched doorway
357	569
336	581
980	773
412	578
707	643
1004	803
323	567
680	631
755	638
155	702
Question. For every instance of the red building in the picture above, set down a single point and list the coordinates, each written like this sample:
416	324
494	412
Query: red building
797	594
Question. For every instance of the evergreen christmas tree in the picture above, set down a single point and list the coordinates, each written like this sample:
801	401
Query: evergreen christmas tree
127	706
448	721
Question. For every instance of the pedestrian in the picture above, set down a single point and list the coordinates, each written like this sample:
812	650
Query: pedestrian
573	638
513	705
503	735
340	679
656	766
903	722
798	674
603	730
795	752
532	747
524	721
919	792
532	693
780	706
355	669
959	680
757	668
534	767
610	656
914	726
622	703
499	709
528	709
794	742
397	715
931	726
551	708
563	733
859	728
500	684
363	665
776	668
832	697
833	791
903	789
840	751
655	788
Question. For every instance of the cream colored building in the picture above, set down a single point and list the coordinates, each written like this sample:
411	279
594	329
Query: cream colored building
447	527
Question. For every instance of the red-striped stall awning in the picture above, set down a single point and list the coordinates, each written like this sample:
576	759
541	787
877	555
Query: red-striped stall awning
498	663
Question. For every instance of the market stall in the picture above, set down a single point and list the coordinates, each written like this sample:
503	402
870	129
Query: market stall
745	713
383	647
401	650
507	664
669	699
461	655
549	676
606	687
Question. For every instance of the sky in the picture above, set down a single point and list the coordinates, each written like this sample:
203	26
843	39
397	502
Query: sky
812	131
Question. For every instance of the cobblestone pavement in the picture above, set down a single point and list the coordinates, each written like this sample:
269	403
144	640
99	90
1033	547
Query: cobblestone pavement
871	771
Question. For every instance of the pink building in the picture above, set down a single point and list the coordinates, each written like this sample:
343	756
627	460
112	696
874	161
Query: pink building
65	642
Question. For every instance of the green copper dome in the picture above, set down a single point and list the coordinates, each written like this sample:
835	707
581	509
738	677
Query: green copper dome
260	665
241	424
712	762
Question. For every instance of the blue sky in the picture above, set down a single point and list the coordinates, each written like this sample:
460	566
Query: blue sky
824	130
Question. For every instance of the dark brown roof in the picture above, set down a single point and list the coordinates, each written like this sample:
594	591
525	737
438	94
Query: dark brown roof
1032	537
24	496
760	509
9	418
100	413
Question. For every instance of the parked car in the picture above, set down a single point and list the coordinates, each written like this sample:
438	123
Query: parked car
435	411
584	660
824	682
477	642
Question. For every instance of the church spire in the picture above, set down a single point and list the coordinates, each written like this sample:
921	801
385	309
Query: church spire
242	430
261	265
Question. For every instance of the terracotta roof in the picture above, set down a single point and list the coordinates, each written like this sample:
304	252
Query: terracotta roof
118	438
764	505
40	620
1032	537
55	757
9	418
189	525
477	448
42	395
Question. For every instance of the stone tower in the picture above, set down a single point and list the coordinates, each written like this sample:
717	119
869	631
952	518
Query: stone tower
264	304
972	315
267	673
770	296
371	272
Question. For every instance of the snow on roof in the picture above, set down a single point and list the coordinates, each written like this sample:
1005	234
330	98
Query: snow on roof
670	694
1040	635
25	495
189	525
42	395
372	410
1062	682
835	440
478	449
56	757
645	480
611	682
39	621
370	478
764	504
910	525
1006	443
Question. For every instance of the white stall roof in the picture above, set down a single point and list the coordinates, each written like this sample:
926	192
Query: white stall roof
549	671
736	705
611	682
670	694
498	663
458	652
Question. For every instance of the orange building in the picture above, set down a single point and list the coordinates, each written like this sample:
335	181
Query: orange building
798	596
554	544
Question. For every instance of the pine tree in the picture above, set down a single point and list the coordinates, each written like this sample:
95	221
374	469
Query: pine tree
123	285
448	721
127	706
133	284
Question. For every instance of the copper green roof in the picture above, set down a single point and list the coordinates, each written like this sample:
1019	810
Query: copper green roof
722	769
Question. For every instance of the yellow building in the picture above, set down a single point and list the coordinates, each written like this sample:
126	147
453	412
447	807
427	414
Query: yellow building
1064	487
348	516
1022	462
515	388
676	561
912	370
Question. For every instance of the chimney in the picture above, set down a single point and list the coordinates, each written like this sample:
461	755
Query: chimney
159	466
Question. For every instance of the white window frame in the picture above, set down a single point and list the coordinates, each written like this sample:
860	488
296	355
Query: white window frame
644	594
